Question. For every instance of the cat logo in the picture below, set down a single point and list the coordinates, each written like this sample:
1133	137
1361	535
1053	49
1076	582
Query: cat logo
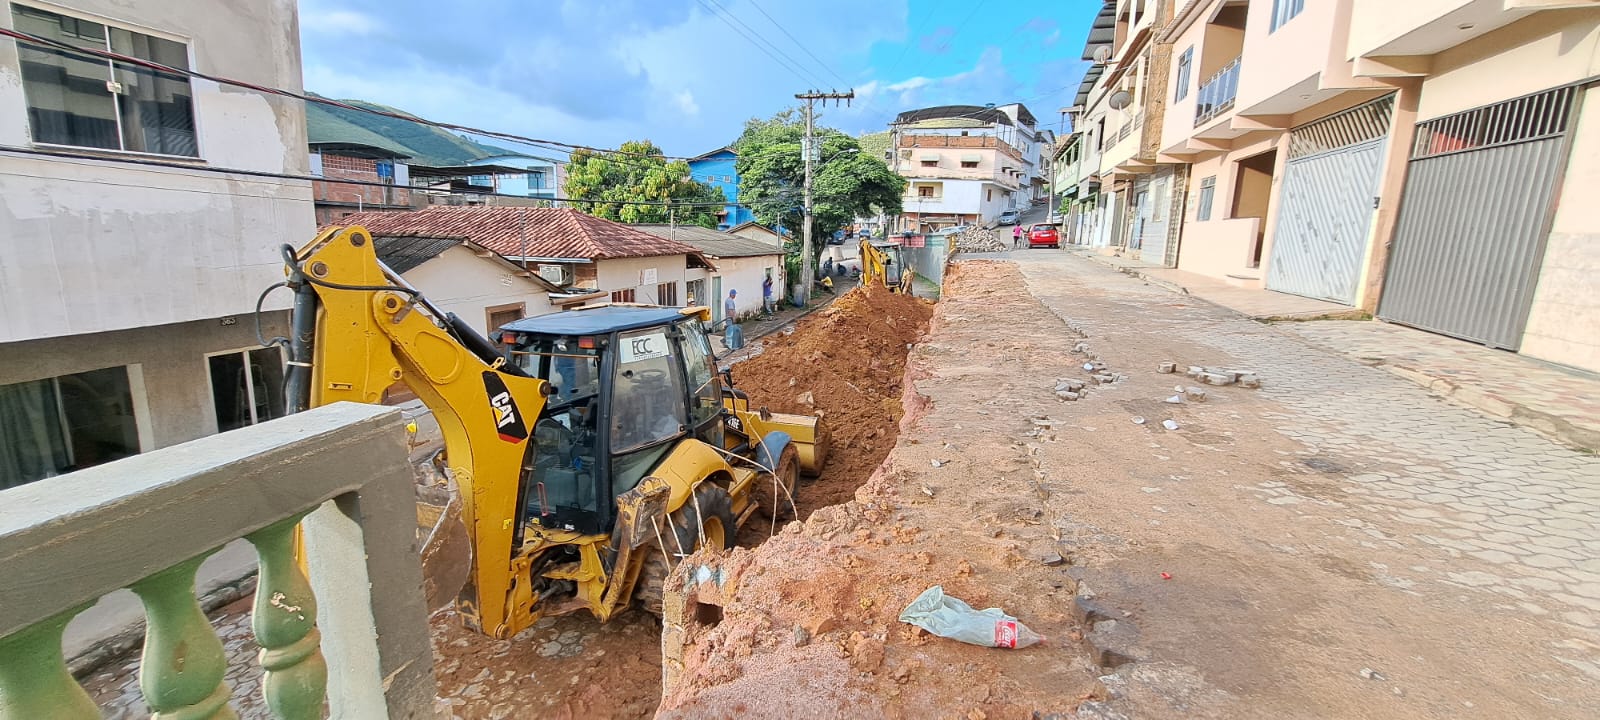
507	419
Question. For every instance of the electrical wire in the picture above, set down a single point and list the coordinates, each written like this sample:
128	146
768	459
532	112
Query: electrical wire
758	41
797	43
557	145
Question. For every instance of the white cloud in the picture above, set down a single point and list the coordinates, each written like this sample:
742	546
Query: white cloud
685	102
339	22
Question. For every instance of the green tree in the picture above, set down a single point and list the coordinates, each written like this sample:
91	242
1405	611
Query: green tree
846	184
640	173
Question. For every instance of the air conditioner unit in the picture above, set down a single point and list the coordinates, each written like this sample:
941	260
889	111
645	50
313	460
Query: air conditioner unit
554	274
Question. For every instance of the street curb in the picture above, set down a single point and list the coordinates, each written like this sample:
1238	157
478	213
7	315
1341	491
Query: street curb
1551	426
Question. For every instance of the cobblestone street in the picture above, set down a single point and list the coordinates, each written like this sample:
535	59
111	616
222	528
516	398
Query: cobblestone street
1338	515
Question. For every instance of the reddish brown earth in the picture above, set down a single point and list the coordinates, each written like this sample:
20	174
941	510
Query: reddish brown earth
847	364
809	624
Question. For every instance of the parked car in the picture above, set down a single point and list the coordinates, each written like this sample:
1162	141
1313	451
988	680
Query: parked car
1009	217
1055	218
1042	235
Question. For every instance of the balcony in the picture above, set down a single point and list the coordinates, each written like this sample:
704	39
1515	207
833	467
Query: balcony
1217	93
352	634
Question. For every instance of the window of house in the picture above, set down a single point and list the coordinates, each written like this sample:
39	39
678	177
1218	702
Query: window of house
1208	191
727	178
925	191
622	296
1185	69
1284	10
84	101
498	315
969	164
667	293
54	426
246	386
695	292
988	195
480	181
930	163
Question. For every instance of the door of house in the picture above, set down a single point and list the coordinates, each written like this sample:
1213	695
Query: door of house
1480	194
716	299
1328	197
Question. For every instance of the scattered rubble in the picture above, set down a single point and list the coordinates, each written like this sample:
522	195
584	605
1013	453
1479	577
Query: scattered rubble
1224	376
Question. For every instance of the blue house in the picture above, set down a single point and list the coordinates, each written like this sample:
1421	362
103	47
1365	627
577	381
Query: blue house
715	168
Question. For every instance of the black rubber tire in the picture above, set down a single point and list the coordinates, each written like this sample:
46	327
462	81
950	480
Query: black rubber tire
788	471
683	529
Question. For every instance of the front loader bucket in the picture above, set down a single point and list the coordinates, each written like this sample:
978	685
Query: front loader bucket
446	546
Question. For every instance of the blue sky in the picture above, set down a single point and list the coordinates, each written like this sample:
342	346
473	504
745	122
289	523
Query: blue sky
598	72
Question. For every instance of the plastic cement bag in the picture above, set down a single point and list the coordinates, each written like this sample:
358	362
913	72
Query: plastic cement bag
948	617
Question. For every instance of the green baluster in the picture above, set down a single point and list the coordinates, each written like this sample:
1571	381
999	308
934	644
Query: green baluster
285	623
34	681
183	663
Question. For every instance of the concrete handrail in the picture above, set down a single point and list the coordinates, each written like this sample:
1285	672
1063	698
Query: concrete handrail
145	523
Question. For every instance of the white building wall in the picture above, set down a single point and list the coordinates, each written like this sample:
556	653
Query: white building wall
745	275
628	273
459	281
89	245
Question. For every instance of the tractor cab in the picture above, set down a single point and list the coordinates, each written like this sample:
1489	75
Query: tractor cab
627	382
893	261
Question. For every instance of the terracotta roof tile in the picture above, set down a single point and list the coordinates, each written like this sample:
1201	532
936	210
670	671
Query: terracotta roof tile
517	232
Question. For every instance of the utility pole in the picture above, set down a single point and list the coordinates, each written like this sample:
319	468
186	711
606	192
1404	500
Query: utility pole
812	153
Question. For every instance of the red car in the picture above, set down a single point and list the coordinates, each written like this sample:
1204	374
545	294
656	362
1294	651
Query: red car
1042	235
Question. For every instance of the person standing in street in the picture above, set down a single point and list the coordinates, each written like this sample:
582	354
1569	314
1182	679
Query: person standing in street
730	309
1016	236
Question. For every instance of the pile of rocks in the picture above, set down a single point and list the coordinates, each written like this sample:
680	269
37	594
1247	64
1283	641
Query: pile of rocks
980	240
1217	376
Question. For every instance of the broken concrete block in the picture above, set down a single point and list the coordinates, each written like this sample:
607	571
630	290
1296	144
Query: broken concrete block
1066	395
1174	400
1249	380
1195	394
1211	378
1169	424
1105	378
1194	371
1167	368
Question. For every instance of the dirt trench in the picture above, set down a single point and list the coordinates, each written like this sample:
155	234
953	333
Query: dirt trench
846	362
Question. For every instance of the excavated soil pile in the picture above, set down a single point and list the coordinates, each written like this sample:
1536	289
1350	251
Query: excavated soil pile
806	624
846	363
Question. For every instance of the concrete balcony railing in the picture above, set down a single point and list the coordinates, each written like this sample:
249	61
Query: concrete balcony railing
1217	93
146	522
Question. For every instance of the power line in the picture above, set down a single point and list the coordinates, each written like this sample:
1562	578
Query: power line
557	145
788	63
797	43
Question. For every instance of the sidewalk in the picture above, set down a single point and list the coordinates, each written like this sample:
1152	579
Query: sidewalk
1558	402
1250	302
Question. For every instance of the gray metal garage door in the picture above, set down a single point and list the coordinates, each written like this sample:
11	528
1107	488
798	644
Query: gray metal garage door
1326	203
1154	218
1478	200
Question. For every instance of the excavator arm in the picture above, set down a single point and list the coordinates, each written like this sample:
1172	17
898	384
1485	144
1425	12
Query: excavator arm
359	329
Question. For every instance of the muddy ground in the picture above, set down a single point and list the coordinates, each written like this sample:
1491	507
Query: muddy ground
846	363
811	628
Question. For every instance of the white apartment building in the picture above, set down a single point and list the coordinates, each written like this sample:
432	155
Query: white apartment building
133	243
964	164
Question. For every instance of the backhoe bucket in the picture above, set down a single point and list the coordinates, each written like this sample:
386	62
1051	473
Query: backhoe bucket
446	545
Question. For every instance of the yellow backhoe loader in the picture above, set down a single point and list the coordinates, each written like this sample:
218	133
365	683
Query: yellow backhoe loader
589	449
883	264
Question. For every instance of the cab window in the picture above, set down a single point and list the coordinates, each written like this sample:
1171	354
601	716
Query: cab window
705	401
647	396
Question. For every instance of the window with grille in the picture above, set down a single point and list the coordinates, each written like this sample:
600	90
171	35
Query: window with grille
1284	10
622	296
667	293
84	101
925	191
1208	191
969	164
1185	69
930	163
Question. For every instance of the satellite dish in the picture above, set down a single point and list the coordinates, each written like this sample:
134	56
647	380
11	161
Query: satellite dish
1102	54
1120	99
